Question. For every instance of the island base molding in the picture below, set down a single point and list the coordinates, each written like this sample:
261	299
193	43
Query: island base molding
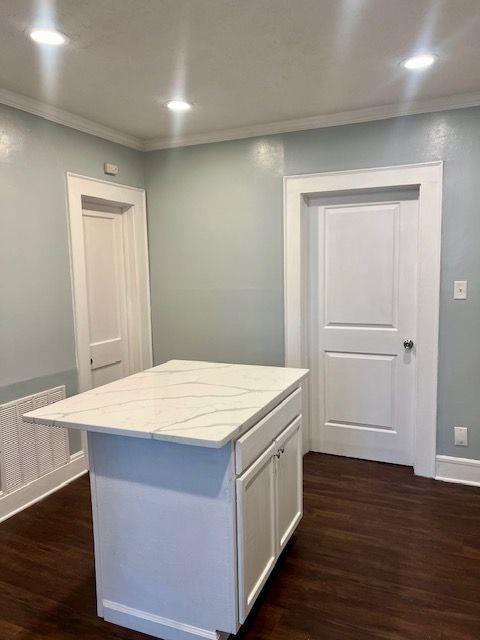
155	625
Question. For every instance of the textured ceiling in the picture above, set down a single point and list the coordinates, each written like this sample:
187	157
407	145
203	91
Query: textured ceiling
242	62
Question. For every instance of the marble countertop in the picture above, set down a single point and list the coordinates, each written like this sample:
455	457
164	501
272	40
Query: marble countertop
197	403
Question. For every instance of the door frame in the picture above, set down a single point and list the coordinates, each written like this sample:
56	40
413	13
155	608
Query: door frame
428	177
133	203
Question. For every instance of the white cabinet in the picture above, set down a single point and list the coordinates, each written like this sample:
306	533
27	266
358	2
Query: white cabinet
257	538
269	507
289	481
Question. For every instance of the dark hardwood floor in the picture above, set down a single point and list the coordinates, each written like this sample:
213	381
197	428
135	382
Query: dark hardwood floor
380	553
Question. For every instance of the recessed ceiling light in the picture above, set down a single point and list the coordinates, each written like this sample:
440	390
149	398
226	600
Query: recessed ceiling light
47	36
421	61
178	105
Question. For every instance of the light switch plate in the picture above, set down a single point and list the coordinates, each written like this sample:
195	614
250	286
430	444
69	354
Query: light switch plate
110	169
460	290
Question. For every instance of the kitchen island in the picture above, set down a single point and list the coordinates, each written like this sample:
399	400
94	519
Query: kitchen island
196	478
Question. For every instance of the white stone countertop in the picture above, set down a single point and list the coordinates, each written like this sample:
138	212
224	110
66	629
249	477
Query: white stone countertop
205	404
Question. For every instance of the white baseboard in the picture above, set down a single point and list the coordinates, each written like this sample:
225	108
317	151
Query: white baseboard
459	470
12	503
155	625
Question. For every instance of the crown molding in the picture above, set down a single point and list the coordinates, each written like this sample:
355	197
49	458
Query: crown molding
46	111
370	114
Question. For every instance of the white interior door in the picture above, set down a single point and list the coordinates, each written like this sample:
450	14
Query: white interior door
363	309
106	294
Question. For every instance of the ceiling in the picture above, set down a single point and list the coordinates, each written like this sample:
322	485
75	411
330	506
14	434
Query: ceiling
249	66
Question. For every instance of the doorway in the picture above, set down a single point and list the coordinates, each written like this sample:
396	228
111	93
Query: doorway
362	276
110	280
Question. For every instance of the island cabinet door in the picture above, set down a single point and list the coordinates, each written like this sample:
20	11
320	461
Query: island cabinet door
256	521
289	468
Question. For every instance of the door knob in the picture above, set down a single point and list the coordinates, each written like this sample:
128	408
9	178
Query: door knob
408	344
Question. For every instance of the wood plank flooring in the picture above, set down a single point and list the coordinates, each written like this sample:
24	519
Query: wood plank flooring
380	554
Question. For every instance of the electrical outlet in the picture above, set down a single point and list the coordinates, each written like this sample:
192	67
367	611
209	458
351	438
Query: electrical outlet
460	290
461	436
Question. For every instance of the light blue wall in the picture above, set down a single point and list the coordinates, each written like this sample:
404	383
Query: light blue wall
37	347
216	254
216	248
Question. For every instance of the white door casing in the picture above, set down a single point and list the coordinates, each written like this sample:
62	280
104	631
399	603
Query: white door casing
131	202
363	301
427	178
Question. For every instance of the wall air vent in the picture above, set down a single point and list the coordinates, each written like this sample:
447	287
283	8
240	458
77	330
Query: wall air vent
29	451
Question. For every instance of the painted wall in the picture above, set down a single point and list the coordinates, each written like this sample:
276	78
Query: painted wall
216	248
37	347
216	245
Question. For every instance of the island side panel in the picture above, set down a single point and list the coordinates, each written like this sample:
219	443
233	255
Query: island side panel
164	522
95	519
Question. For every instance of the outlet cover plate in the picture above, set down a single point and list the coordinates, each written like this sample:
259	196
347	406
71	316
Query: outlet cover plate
460	290
461	436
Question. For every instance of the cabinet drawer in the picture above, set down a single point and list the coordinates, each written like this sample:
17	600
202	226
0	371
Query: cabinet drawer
259	437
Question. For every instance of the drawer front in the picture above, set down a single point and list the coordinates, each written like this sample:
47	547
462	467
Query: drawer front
259	437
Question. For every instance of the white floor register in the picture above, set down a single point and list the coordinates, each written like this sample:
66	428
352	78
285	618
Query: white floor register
196	477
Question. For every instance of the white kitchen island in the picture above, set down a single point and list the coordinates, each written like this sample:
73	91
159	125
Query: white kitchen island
196	477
